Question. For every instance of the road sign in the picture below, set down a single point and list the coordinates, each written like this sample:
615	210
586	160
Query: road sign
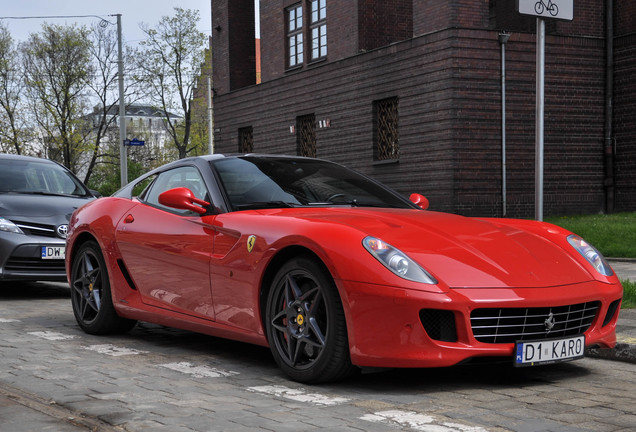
134	142
556	9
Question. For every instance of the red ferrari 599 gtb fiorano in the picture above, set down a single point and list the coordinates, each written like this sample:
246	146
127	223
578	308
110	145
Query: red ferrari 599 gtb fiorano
332	270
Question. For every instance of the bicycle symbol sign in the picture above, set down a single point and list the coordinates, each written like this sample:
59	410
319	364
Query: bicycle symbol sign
541	6
557	9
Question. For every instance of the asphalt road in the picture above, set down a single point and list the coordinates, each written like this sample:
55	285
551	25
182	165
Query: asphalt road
53	377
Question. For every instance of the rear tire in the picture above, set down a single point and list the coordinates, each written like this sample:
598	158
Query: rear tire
305	323
91	295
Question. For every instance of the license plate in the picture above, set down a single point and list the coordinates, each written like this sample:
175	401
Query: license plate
53	252
549	351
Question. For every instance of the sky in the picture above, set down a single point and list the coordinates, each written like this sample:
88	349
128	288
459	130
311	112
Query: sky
133	12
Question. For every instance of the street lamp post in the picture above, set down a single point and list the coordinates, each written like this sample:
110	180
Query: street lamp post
123	153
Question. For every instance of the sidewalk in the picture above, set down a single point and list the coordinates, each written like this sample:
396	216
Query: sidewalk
625	349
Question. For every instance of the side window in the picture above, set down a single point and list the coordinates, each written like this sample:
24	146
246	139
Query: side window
141	188
318	29
295	50
188	177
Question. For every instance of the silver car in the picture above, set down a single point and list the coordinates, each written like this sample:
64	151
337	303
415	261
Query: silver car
37	198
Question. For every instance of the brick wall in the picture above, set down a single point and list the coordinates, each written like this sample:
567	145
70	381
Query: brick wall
273	38
447	81
220	47
404	70
234	46
383	23
242	43
625	103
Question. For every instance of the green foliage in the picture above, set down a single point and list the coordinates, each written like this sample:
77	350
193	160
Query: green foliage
613	235
57	67
629	294
106	179
171	60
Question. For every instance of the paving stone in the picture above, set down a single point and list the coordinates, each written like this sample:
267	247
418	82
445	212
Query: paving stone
135	393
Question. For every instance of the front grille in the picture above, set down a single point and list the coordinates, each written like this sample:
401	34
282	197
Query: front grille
34	265
507	325
37	229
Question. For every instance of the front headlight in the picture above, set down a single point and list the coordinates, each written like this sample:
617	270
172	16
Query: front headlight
592	255
396	261
8	226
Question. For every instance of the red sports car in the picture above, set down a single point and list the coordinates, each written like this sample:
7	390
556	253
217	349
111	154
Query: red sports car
332	270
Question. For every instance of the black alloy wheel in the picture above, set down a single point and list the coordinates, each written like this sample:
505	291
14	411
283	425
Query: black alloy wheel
90	293
305	323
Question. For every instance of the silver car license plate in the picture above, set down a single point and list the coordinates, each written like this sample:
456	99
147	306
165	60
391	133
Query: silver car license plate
532	353
53	252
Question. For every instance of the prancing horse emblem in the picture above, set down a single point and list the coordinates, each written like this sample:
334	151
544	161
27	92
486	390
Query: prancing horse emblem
250	242
549	323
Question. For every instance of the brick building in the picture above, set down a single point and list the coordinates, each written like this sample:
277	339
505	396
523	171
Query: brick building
410	91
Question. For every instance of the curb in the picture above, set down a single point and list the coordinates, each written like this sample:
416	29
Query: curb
624	351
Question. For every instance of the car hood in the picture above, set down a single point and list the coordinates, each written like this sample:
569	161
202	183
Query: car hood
470	252
25	207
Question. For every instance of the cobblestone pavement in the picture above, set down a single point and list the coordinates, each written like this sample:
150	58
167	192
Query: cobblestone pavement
53	377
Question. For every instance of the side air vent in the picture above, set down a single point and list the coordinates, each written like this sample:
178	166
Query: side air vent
124	272
611	312
439	324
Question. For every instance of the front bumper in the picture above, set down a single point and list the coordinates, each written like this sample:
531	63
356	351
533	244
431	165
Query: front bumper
21	258
388	329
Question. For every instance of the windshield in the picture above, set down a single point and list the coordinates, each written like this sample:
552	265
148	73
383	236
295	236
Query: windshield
270	182
34	177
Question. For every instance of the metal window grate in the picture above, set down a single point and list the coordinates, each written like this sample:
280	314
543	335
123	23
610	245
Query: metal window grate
387	135
246	140
306	135
508	325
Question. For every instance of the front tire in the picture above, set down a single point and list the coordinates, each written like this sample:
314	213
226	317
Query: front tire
305	323
90	293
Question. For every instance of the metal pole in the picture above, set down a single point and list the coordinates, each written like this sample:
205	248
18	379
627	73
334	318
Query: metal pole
503	39
210	116
539	119
123	153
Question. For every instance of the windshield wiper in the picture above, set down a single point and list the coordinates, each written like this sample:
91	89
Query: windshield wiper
351	203
265	205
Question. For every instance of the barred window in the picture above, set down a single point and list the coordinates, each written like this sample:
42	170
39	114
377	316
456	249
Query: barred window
318	29
387	138
295	48
306	135
246	140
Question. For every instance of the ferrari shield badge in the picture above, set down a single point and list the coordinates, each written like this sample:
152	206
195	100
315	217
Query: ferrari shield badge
250	242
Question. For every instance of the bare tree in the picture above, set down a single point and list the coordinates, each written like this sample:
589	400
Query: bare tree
58	67
172	58
13	132
103	135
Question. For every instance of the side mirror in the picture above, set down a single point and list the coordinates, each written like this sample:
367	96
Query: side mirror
419	200
183	199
